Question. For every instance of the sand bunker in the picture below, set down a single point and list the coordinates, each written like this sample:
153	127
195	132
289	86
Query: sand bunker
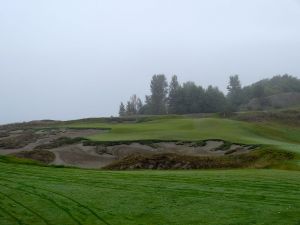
69	149
81	156
100	156
210	148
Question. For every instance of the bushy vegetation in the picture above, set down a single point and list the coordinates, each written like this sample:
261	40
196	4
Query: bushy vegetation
276	85
189	98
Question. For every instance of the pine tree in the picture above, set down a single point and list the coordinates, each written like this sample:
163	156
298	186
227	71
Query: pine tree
173	95
122	111
235	93
159	91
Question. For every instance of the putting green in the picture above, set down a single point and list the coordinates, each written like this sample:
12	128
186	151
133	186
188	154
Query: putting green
279	135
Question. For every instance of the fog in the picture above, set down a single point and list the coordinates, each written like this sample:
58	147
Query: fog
74	58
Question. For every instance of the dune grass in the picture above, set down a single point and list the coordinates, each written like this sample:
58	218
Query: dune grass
279	135
44	195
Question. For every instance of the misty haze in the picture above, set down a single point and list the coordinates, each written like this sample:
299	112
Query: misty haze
75	59
150	112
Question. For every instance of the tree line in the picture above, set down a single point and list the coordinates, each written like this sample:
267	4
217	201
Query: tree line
188	98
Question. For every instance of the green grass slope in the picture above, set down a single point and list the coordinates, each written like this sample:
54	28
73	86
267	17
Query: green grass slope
44	195
282	136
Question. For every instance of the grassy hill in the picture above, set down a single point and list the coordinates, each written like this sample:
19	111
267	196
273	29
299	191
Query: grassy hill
280	135
31	194
43	195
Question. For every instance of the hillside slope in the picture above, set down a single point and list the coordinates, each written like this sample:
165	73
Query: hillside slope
283	100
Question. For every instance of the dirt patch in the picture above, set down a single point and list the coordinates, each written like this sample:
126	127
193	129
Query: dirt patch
38	155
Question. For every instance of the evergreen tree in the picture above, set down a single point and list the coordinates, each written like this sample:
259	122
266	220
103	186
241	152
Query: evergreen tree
122	111
159	93
146	108
235	93
215	100
173	95
194	97
190	98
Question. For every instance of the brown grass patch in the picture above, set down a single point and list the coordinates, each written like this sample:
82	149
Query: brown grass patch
259	159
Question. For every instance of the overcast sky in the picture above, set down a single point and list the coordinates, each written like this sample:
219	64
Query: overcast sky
66	59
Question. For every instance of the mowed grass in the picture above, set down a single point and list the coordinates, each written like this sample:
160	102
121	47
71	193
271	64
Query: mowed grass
279	135
43	195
